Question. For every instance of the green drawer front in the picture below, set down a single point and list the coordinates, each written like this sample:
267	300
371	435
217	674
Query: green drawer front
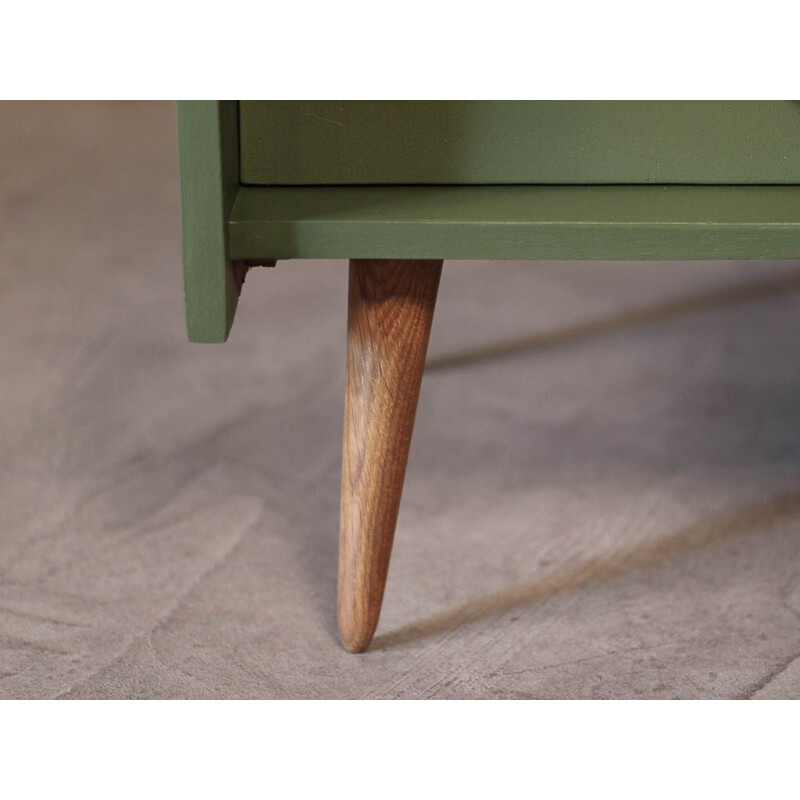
519	142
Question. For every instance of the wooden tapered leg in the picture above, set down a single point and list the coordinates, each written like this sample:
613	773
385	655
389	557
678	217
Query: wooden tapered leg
390	310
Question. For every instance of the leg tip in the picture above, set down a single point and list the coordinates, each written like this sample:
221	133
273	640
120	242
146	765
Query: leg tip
355	637
356	645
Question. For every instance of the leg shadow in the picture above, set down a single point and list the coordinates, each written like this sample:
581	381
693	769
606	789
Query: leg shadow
747	520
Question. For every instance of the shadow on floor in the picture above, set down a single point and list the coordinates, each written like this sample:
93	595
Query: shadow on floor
721	298
761	516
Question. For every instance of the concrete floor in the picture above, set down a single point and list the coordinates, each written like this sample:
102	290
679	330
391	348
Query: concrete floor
603	496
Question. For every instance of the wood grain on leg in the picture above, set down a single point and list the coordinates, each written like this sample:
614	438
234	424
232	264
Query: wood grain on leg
390	310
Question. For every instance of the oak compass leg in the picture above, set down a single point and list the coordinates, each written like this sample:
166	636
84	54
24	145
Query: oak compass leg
390	310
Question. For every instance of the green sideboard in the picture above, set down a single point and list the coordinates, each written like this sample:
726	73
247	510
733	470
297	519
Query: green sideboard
399	186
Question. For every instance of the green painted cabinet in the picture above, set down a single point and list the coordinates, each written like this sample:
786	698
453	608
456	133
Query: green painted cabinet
398	187
654	180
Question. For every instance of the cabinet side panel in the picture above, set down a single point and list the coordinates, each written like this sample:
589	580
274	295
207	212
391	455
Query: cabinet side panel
208	151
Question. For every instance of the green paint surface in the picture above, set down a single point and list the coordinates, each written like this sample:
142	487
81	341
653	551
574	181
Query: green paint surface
311	142
208	158
518	222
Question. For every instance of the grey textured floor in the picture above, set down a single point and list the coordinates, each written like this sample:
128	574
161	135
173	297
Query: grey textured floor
603	497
